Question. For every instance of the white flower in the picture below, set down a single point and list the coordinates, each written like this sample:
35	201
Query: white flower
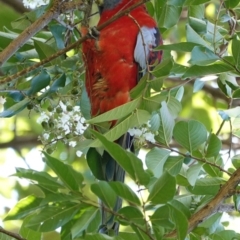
64	119
2	100
46	136
149	137
43	117
34	3
72	143
79	153
63	106
80	128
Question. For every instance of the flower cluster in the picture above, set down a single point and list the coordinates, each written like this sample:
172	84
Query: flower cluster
34	3
143	133
62	123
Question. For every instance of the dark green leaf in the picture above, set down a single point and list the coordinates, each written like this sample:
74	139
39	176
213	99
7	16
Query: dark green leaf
132	214
155	160
202	56
43	178
39	82
105	193
127	160
24	207
16	108
71	178
214	146
52	217
125	192
84	221
190	134
163	190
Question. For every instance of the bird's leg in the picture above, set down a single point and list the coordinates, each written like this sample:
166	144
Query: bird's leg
94	33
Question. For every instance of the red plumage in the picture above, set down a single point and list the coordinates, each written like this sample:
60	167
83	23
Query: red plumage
111	69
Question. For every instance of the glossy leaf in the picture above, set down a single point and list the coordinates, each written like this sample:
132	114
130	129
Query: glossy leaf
24	207
125	192
155	160
71	178
127	160
190	134
163	190
103	190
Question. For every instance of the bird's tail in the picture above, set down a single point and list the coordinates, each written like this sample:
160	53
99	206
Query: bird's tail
114	172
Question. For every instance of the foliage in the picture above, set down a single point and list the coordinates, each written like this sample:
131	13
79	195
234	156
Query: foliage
190	106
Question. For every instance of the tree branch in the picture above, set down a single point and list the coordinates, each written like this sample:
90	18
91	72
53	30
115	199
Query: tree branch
11	234
225	191
55	10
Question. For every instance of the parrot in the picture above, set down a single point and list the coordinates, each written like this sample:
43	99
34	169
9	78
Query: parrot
115	60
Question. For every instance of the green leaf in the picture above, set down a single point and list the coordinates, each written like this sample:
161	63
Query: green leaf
161	217
166	125
231	3
58	33
190	134
39	82
214	146
163	190
236	161
137	118
94	160
132	214
71	178
206	186
236	52
216	68
85	104
178	47
58	83
198	85
27	232
84	221
45	50
202	56
116	113
194	37
192	173
174	164
169	10
43	178
125	192
181	221
127	160
16	108
103	190
155	160
53	217
24	207
162	69
174	106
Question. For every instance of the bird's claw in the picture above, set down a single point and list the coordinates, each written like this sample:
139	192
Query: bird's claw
94	33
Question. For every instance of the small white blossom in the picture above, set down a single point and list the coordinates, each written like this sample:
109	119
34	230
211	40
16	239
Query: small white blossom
72	143
46	136
80	128
34	3
149	137
63	106
2	100
79	153
43	117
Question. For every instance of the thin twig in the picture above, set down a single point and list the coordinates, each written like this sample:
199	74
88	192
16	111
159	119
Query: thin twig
11	234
